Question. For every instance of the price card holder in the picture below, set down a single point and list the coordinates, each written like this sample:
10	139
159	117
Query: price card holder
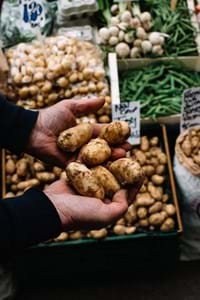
129	112
190	115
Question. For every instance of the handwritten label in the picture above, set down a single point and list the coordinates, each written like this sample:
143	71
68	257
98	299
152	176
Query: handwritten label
32	13
129	112
190	116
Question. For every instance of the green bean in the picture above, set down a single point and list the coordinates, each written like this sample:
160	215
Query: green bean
176	24
159	88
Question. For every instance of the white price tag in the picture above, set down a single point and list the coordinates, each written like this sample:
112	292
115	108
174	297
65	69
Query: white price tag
190	115
32	13
129	112
3	61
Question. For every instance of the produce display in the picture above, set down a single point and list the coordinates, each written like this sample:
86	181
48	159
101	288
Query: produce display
176	24
188	150
152	210
40	75
26	172
158	87
67	62
129	33
63	68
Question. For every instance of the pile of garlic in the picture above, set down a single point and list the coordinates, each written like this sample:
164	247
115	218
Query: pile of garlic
61	68
131	35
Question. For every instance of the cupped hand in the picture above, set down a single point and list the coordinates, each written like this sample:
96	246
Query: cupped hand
53	120
85	213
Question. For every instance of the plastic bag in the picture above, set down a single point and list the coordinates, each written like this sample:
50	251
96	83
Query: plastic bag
187	174
12	29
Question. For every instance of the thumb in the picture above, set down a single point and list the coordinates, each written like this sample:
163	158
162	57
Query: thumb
85	106
117	207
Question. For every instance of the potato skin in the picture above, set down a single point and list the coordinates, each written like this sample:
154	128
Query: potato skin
45	176
107	180
96	152
115	133
74	138
127	171
84	181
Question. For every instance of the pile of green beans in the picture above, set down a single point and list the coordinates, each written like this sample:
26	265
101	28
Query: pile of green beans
177	25
158	87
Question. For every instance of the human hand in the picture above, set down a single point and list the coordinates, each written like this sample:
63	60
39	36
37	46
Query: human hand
78	212
53	120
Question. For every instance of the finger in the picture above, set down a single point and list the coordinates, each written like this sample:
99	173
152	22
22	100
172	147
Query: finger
115	209
118	153
96	129
85	106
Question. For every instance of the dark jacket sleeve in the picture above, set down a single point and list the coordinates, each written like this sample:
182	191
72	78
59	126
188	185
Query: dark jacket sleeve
16	124
27	220
31	218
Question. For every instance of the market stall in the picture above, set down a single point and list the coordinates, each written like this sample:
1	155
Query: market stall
65	55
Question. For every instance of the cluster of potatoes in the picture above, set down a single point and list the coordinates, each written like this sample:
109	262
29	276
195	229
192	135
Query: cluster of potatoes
188	144
61	68
26	172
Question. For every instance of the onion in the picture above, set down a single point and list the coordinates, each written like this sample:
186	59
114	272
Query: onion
141	33
145	16
146	46
114	9
104	33
115	20
122	50
154	38
121	35
135	52
129	38
113	40
157	49
126	16
114	31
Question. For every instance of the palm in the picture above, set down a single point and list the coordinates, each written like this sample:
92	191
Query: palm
84	212
51	121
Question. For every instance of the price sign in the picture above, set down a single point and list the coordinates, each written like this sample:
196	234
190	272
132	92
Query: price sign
3	61
190	116
32	13
129	112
